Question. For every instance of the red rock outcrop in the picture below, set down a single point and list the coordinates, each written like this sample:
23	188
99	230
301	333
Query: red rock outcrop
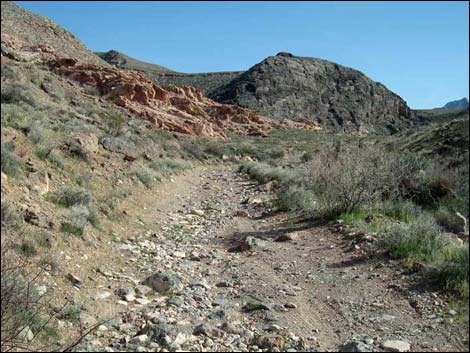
180	109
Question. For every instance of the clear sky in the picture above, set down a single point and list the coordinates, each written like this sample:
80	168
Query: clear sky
420	50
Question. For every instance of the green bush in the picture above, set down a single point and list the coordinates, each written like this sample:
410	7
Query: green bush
71	313
295	198
10	217
420	241
147	176
307	156
71	196
76	219
116	123
264	173
37	133
11	165
167	166
453	272
449	220
401	210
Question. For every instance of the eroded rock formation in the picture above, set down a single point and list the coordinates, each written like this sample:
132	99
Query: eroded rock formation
179	109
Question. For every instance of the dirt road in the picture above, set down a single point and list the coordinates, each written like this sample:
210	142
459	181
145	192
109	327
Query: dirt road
247	278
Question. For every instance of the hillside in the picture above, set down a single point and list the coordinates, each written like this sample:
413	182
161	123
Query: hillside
446	138
206	82
17	21
123	61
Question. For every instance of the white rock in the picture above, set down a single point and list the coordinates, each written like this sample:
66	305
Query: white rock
101	295
396	346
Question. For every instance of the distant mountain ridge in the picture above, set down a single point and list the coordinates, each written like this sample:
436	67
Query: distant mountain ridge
457	104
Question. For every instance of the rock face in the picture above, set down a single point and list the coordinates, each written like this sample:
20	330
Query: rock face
184	110
457	104
286	86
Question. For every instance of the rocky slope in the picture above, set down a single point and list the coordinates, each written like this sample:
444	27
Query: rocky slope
38	29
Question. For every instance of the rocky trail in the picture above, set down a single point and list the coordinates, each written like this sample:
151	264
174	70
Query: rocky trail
230	274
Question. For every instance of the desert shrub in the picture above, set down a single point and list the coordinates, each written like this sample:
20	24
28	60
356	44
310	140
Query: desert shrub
429	190
17	116
71	196
167	166
420	241
307	156
115	123
76	219
10	217
11	165
22	311
56	158
37	133
78	151
449	220
264	173
147	176
401	210
453	271
344	179
71	313
294	198
15	93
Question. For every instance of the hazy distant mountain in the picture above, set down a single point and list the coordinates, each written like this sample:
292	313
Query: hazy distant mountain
457	104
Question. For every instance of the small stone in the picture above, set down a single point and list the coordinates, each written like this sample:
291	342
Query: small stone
142	290
142	301
396	346
254	306
271	342
74	279
197	212
355	347
101	295
141	339
291	305
287	237
179	254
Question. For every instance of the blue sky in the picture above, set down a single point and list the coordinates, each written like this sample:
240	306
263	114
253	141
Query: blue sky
417	49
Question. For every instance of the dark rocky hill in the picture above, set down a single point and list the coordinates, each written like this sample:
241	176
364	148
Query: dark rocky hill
457	104
286	86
